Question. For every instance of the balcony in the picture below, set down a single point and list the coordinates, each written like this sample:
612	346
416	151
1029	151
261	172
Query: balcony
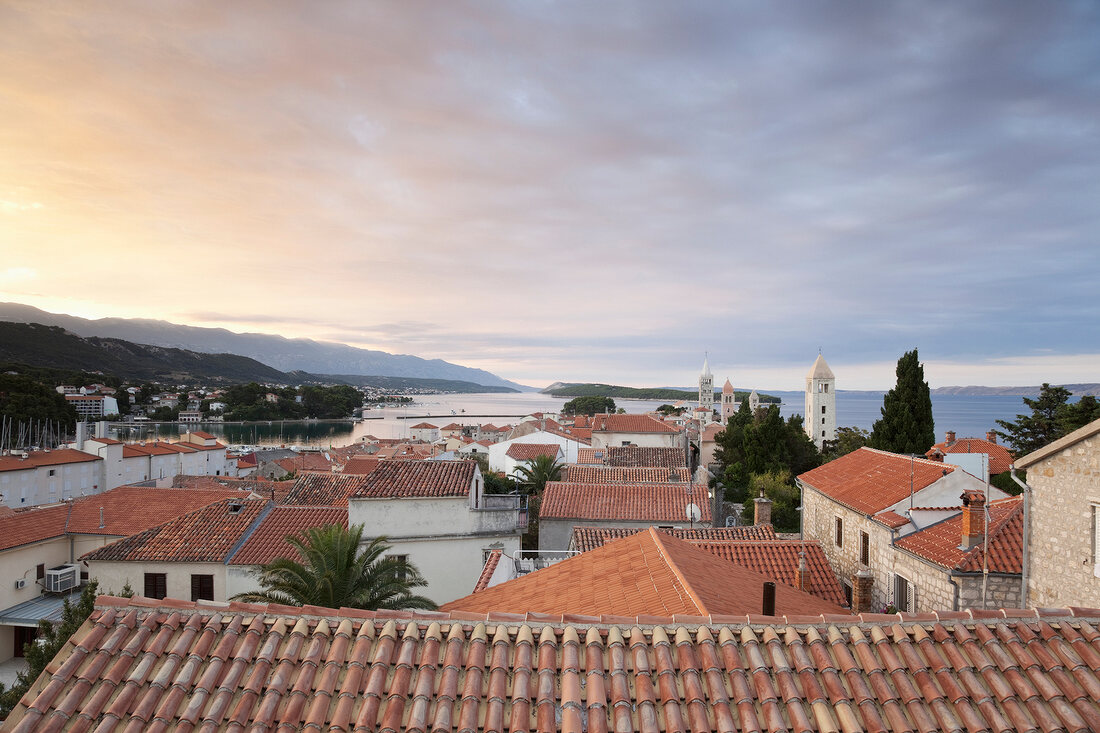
528	561
511	503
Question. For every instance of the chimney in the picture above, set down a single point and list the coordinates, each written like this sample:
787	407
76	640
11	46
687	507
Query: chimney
950	438
991	436
973	519
803	572
862	584
763	510
768	608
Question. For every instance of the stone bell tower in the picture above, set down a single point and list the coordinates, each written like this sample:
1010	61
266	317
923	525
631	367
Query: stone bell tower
706	386
820	414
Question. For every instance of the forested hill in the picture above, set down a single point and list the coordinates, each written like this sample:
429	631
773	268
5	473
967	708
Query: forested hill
639	393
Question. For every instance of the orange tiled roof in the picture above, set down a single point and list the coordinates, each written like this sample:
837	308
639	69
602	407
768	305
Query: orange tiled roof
622	502
589	538
205	535
268	540
418	478
305	462
203	435
711	431
320	489
591	456
649	573
615	423
623	475
940	542
334	669
779	560
870	480
491	563
636	455
531	451
360	465
892	519
1000	459
38	458
423	426
452	426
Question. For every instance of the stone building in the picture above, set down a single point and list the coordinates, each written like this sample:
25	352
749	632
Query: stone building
1063	564
820	416
706	386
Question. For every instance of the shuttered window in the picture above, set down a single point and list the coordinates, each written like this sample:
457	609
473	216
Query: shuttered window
864	548
202	587
905	595
156	585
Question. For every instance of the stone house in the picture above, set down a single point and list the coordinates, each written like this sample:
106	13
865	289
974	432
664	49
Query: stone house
1063	562
859	505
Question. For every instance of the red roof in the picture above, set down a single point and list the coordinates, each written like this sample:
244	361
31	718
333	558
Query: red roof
206	535
531	451
649	573
870	480
321	489
268	540
305	462
940	542
622	502
892	519
203	435
623	475
418	478
360	465
615	423
38	458
423	426
321	669
589	538
491	564
636	455
452	426
1000	459
779	560
594	456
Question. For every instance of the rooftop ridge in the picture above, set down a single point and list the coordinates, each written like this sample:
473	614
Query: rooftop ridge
655	537
905	456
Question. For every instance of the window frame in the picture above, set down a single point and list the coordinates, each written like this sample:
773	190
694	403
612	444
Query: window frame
905	594
156	582
838	531
865	549
402	573
198	581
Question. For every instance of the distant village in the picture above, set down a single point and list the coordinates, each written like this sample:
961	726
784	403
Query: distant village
904	591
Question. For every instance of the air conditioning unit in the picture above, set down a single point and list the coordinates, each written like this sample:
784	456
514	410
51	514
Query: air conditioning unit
21	583
62	578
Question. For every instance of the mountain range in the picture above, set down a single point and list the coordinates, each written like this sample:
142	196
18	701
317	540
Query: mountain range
277	352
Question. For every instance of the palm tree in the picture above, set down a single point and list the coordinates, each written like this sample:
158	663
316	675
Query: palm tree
536	472
337	571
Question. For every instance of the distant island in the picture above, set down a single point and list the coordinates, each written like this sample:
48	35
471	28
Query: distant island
1080	390
592	389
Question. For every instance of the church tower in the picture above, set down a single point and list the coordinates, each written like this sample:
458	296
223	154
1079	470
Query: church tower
706	386
820	414
729	405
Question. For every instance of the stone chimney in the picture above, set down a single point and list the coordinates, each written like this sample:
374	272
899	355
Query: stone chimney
862	585
949	439
991	436
803	572
763	510
973	519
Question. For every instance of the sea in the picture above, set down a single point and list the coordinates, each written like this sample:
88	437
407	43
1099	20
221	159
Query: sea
967	416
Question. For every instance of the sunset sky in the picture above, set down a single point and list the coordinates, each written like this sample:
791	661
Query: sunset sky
581	191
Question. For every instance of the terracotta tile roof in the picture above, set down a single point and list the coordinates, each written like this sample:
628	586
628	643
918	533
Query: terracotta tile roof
401	451
452	426
423	426
870	480
320	489
623	475
635	455
531	451
360	465
589	538
491	564
243	666
203	435
418	478
305	462
622	502
38	458
1000	459
648	573
615	423
940	542
209	534
581	435
710	432
892	519
268	540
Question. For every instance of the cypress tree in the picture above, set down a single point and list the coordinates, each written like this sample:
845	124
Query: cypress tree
906	425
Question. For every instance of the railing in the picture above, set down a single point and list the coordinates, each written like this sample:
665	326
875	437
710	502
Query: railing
528	561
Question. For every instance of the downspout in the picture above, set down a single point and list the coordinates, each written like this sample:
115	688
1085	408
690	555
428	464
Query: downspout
954	593
1027	532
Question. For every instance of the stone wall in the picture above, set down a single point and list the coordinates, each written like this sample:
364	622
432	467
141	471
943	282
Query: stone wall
1065	496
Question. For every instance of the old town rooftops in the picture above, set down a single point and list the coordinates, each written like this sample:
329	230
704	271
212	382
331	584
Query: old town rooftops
940	543
140	663
628	423
648	573
623	502
417	479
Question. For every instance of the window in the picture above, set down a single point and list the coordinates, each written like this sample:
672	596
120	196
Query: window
156	585
822	421
40	572
402	567
905	595
822	433
838	532
826	390
864	548
847	592
823	409
202	587
53	472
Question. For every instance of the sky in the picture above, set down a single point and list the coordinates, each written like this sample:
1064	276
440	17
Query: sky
571	191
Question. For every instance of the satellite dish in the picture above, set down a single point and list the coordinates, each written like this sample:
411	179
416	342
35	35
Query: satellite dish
693	513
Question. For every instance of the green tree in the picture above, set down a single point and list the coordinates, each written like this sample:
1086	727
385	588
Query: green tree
670	410
23	399
781	489
533	474
848	440
337	571
1052	416
589	405
761	443
906	425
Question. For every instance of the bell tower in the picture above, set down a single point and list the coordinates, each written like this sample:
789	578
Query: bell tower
820	417
728	405
706	386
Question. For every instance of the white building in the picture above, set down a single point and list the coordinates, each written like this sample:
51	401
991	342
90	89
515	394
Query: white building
92	405
641	430
424	431
820	416
45	477
498	460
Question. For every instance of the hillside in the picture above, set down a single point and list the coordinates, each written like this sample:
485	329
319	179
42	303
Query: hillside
1079	390
562	389
437	385
277	352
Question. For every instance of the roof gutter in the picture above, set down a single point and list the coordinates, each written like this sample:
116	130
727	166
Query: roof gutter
1027	532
